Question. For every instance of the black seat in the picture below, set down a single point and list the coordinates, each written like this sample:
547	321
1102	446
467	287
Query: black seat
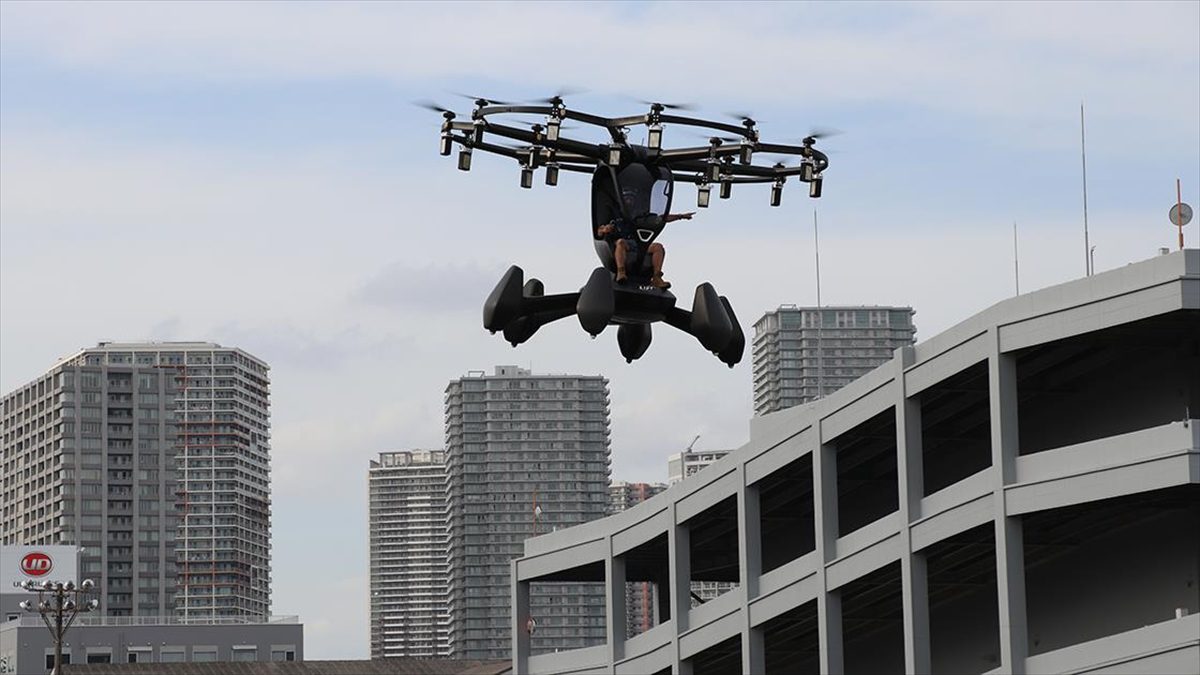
629	193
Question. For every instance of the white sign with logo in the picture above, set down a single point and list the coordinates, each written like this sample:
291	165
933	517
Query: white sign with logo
38	563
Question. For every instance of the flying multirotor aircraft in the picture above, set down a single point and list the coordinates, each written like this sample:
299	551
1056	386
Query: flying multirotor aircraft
632	184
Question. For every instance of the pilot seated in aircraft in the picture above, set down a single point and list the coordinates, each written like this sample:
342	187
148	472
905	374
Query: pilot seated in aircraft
621	233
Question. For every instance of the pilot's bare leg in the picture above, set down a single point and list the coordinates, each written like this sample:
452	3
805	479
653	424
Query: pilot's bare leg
620	260
657	255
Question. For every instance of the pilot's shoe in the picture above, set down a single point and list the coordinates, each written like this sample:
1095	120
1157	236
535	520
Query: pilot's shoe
658	282
621	278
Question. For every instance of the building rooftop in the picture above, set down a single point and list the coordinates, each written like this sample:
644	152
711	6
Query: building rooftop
365	667
154	345
170	620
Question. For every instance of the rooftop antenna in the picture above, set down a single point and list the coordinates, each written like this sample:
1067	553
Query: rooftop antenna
820	314
1016	259
1181	214
1087	251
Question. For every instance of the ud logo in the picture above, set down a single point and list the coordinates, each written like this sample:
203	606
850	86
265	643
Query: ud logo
36	564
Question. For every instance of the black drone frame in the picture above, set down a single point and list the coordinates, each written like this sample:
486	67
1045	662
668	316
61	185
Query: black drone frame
519	307
724	161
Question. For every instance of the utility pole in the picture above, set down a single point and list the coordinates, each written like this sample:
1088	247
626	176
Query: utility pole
62	602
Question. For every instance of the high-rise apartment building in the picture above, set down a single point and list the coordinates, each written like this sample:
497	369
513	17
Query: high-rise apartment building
804	353
526	454
640	596
154	458
688	462
409	570
623	495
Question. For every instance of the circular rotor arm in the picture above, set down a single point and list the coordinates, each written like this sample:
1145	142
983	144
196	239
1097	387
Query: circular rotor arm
711	163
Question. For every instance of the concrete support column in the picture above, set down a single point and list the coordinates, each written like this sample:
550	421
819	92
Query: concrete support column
825	499
910	460
829	632
664	609
914	581
520	623
679	591
614	604
1010	578
753	649
829	603
1010	544
658	597
1002	399
750	567
749	539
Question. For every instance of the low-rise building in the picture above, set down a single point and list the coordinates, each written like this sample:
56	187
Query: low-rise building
27	647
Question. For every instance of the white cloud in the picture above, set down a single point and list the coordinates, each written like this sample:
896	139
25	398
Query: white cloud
1001	60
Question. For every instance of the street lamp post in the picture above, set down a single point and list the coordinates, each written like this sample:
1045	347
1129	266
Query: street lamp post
58	604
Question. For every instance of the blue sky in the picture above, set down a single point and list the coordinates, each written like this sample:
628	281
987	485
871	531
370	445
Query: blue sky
254	174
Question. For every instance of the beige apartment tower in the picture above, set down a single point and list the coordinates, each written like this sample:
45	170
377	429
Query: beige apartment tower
526	454
802	354
154	459
408	540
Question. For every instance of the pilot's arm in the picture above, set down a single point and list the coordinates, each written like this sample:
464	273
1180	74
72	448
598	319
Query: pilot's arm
605	230
671	217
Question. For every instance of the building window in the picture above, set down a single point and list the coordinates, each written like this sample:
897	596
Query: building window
245	653
101	657
140	655
172	655
283	655
204	655
66	658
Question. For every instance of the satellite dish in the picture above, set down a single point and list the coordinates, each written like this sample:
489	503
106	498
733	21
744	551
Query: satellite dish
1181	214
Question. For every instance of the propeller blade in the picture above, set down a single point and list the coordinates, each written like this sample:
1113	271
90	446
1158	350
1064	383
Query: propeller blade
669	106
824	132
484	99
779	159
693	133
557	97
742	116
431	105
530	121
